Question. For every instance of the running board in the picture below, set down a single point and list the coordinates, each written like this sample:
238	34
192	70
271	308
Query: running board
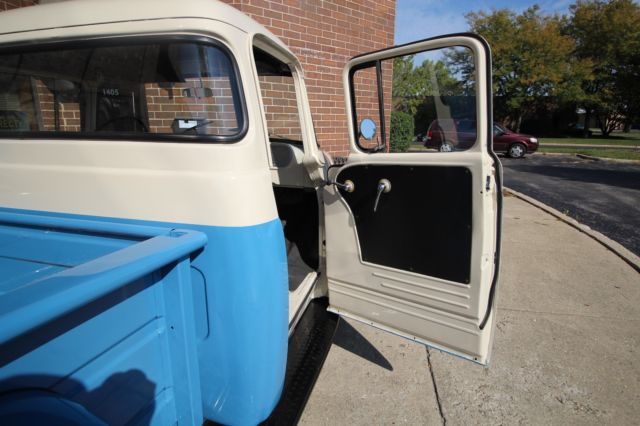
308	348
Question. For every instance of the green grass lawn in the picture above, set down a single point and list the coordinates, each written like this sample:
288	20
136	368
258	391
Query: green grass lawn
628	139
605	153
623	139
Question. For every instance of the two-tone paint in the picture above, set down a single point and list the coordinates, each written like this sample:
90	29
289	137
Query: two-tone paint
224	191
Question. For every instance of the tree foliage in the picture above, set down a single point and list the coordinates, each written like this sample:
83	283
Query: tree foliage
533	63
401	133
408	84
588	59
607	36
411	84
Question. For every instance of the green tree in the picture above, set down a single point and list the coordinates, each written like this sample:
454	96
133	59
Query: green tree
533	64
411	84
441	79
407	86
607	35
401	133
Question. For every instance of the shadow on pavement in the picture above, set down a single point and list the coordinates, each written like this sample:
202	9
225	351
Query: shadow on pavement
349	339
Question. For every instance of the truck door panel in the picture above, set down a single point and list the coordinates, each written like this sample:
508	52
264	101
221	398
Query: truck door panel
438	218
413	237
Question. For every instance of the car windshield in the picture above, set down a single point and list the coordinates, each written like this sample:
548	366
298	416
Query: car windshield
498	129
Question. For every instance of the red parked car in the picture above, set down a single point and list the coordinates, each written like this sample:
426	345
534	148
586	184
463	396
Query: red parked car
448	135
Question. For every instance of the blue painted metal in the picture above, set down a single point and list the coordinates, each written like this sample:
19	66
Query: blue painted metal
115	334
18	409
71	289
91	224
243	359
235	290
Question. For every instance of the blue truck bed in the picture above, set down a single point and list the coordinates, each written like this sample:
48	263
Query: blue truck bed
97	322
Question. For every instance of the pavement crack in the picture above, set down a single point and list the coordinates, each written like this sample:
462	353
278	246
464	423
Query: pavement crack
571	314
435	388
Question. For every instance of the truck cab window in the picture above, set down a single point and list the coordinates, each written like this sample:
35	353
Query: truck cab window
92	89
278	92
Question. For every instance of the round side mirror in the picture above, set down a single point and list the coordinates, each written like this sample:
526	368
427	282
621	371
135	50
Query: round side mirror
367	129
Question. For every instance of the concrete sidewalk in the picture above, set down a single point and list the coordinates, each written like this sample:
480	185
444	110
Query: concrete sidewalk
566	349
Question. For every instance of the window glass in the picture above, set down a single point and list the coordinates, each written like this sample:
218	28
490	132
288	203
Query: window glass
424	102
365	88
278	92
173	88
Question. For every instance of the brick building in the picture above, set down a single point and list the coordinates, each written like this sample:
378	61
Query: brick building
324	34
14	4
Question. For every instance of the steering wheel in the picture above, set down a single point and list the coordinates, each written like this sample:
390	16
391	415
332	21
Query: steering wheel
124	117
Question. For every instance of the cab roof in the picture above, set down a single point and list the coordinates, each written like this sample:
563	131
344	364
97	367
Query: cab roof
74	13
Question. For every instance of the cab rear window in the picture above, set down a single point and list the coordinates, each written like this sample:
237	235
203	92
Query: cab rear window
178	89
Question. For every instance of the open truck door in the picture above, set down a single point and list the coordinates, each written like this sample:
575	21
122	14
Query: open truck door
413	237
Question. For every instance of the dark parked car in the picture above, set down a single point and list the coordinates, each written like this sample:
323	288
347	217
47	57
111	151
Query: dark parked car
448	135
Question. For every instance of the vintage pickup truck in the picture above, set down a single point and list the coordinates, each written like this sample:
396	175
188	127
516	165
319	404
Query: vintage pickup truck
167	219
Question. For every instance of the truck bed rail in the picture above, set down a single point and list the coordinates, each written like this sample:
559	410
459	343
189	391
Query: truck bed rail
35	303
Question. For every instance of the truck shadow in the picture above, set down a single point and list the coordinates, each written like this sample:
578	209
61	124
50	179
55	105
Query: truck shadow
123	398
349	339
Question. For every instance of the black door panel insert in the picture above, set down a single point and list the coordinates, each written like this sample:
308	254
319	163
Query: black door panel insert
423	224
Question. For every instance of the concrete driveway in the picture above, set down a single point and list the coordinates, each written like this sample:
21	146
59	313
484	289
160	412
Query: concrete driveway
566	349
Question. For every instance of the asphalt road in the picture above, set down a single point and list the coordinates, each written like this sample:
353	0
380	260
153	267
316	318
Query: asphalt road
604	195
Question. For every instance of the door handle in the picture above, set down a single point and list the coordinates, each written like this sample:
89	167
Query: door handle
384	186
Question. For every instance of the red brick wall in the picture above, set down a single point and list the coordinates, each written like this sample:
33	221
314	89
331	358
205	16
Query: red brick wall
14	4
367	102
165	104
324	35
68	110
281	106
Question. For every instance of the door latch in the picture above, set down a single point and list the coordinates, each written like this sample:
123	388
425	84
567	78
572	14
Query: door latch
348	185
384	186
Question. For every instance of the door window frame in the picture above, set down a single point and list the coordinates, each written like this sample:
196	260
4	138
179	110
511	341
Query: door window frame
476	44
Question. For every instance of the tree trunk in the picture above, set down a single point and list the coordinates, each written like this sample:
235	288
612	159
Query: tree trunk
587	120
603	124
518	122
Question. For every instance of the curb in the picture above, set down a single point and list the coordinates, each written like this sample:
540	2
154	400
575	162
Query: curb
617	248
613	160
586	157
588	146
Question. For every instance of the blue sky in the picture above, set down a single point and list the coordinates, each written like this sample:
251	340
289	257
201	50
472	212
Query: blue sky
418	19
